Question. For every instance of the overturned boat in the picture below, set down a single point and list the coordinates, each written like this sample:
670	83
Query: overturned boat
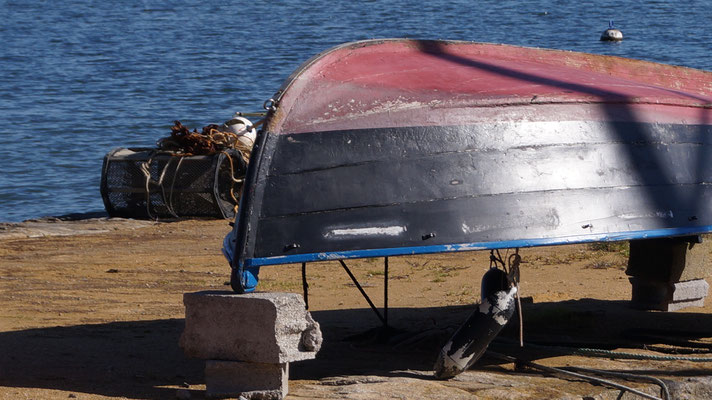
392	147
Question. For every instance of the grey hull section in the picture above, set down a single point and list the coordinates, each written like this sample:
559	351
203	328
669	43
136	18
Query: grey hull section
343	194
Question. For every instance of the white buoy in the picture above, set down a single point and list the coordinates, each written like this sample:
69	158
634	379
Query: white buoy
611	34
243	128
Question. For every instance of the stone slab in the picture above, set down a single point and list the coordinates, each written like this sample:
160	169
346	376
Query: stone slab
665	296
699	387
250	381
679	305
689	290
256	327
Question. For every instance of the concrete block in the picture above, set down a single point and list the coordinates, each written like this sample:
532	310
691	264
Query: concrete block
690	290
250	381
270	328
679	305
666	296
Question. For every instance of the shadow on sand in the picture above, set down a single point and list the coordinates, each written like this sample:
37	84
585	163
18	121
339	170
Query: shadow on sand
139	359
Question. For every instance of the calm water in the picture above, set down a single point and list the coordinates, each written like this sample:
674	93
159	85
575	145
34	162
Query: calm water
78	78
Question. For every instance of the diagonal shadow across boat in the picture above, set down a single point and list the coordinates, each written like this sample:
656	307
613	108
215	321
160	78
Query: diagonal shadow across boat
614	103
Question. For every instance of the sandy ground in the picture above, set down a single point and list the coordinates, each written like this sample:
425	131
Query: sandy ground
92	309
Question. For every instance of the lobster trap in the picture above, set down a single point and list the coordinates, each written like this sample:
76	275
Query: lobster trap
149	183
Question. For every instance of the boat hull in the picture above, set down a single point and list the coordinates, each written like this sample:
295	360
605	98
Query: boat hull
420	171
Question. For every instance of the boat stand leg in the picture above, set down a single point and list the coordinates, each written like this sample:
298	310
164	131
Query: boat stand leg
385	292
363	293
305	285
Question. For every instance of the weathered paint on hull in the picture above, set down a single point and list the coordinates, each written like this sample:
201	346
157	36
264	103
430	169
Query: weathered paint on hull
401	147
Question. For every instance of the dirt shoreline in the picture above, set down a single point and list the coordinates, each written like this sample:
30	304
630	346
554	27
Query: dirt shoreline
92	309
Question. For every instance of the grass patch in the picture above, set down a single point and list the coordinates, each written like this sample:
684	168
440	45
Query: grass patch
371	260
610	247
600	265
279	286
558	259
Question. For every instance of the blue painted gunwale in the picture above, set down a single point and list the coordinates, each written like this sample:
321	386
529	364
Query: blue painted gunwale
507	244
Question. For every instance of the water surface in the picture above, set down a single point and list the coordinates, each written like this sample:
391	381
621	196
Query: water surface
79	78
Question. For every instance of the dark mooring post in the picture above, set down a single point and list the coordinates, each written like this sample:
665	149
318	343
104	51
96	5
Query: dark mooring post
668	274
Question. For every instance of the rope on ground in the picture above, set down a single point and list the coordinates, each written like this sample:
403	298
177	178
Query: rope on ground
559	371
619	355
628	356
624	375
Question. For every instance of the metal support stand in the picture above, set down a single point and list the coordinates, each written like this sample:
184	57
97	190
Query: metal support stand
305	285
365	296
383	317
385	291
